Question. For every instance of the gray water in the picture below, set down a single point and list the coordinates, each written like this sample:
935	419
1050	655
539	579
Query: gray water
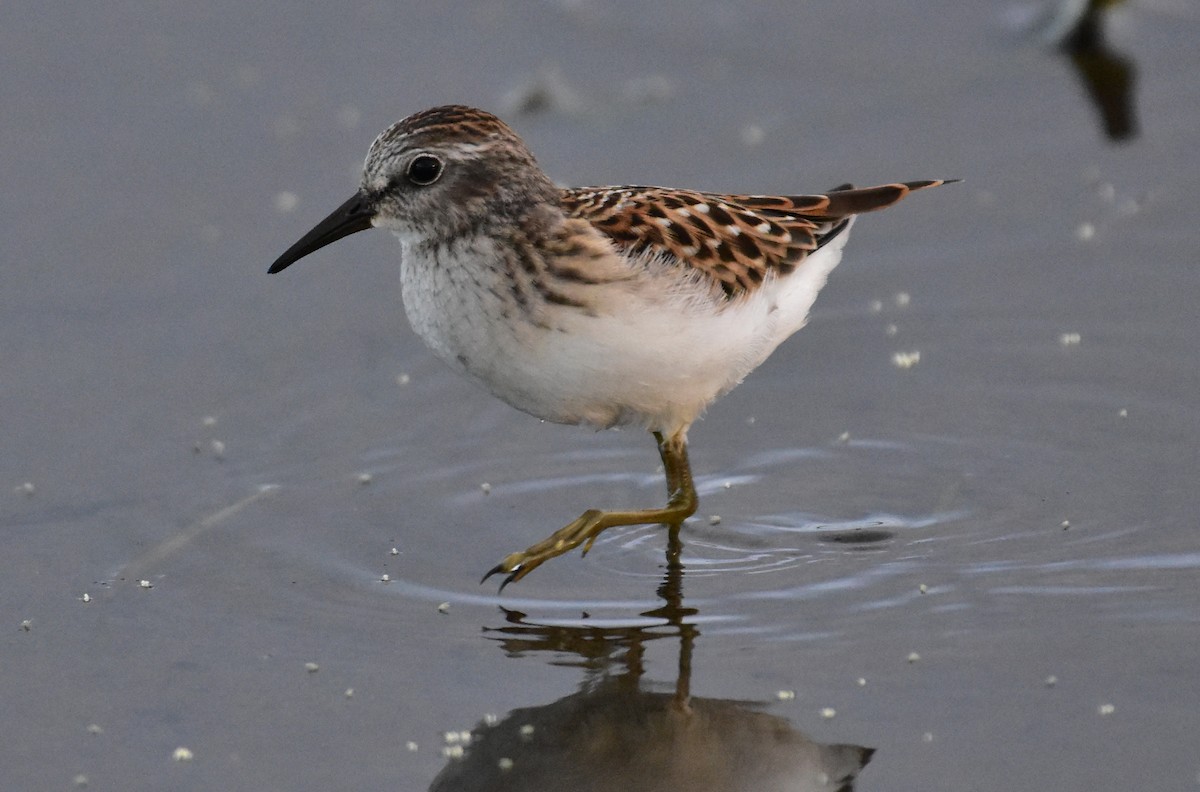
983	566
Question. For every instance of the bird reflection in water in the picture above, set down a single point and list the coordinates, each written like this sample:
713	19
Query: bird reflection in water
1076	27
615	735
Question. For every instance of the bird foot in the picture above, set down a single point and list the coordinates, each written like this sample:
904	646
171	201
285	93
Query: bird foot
581	531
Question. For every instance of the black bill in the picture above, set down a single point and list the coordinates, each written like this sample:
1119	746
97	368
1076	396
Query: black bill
351	217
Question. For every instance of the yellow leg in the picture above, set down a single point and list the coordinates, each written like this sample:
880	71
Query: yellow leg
681	504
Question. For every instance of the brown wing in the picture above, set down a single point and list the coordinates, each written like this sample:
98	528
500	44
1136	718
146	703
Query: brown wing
734	239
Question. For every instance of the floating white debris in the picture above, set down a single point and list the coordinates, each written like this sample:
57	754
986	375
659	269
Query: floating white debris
843	438
411	746
486	488
1070	339
785	695
286	201
394	551
927	737
27	624
312	668
26	488
861	681
80	780
86	597
146	584
505	764
490	719
1122	413
906	360
453	751
1085	231
876	306
903	299
403	379
526	731
714	519
349	693
828	712
218	449
385	578
94	728
365	478
913	657
1050	681
182	754
1106	709
444	607
349	116
923	588
753	135
209	421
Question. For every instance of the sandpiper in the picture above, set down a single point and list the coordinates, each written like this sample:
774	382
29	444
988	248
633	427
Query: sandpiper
602	306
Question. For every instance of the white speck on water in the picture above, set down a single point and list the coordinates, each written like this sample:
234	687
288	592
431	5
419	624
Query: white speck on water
927	737
286	201
828	712
913	657
94	728
394	551
486	488
444	607
81	780
182	754
412	746
218	449
861	681
714	519
1106	709
403	379
146	584
876	306
1050	681
906	360
26	488
753	135
453	752
365	478
505	764
903	299
349	116
312	668
923	588
209	421
1070	339
27	624
86	597
526	731
785	695
349	693
1122	413
1065	524
1084	232
385	578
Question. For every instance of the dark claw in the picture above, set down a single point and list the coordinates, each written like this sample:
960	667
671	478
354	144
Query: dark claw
489	573
512	575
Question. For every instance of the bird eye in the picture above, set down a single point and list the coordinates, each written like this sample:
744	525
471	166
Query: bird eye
424	170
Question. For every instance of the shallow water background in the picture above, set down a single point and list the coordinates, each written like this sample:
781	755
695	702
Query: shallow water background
985	566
